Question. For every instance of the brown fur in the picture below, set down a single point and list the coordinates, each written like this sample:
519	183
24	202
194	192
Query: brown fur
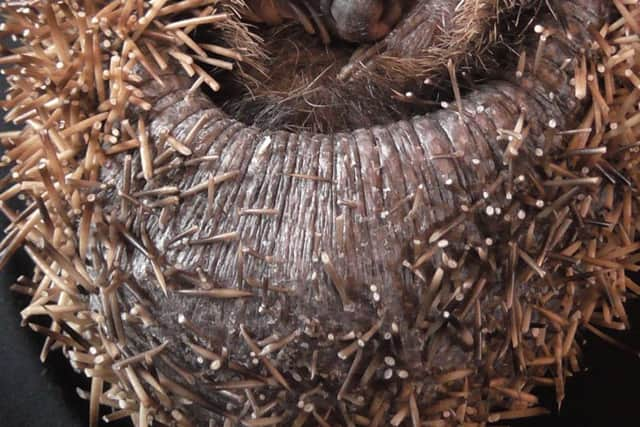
298	83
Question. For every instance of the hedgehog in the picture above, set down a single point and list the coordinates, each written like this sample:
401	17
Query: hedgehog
335	213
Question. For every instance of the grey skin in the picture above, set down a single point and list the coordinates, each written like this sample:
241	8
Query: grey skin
353	224
365	20
356	21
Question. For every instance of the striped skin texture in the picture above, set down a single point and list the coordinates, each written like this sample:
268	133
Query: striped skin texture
324	226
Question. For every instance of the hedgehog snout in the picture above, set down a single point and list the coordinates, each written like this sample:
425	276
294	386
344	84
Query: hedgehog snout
365	20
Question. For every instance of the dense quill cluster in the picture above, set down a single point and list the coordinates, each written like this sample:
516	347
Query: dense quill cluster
468	293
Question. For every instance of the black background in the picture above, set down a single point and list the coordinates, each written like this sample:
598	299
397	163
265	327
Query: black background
36	395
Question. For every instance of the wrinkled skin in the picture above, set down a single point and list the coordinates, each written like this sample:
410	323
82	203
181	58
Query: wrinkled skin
328	258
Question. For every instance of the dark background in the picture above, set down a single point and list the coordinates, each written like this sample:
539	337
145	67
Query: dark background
36	395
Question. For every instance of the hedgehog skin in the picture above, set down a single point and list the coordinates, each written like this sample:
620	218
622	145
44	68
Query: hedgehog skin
313	258
341	278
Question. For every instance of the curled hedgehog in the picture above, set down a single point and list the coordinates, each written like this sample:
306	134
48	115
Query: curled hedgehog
334	213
